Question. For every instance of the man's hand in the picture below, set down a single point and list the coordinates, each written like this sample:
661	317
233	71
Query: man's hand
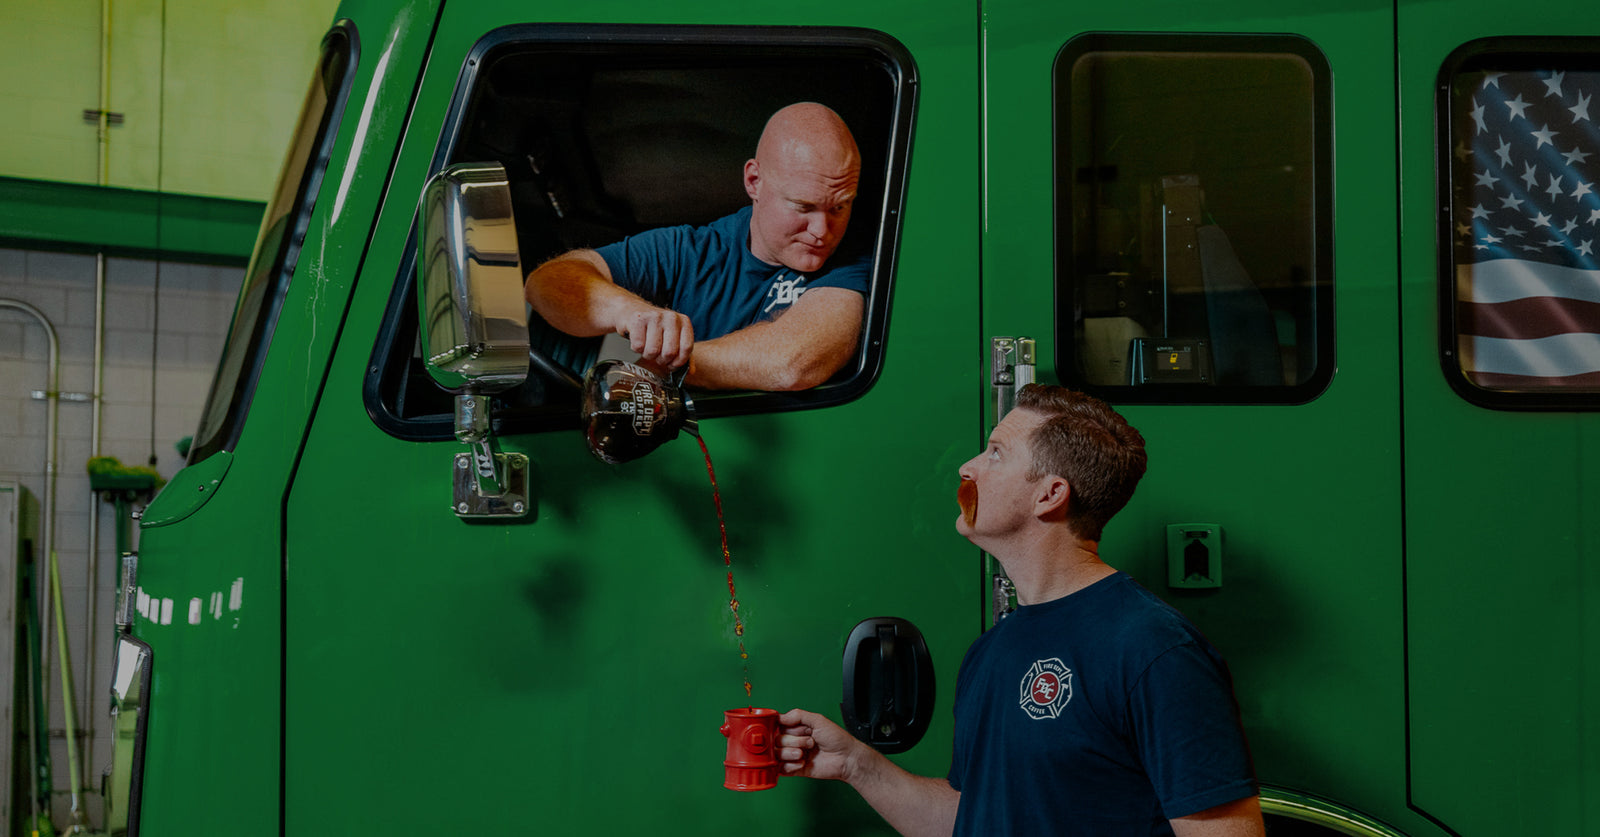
917	806
663	338
811	745
575	293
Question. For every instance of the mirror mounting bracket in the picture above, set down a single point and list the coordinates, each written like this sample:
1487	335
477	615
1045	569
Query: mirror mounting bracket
488	482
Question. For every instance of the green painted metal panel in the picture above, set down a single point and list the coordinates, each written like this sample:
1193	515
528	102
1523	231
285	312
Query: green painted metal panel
1307	496
1501	566
554	667
216	717
126	222
523	666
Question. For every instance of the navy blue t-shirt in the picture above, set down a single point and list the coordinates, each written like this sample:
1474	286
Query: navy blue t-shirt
1101	713
709	274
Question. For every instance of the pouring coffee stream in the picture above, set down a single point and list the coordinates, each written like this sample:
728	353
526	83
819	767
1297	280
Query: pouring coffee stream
629	411
727	561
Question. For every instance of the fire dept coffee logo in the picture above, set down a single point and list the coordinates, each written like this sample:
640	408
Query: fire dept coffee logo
644	408
1046	688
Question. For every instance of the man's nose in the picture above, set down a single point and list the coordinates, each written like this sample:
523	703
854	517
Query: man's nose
817	226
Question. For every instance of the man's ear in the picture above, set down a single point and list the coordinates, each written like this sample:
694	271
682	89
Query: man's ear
752	179
1051	497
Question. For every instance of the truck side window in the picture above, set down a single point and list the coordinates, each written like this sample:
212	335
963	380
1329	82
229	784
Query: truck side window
611	131
277	250
1193	218
1520	277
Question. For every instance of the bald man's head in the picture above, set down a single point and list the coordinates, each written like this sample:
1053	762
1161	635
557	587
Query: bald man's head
802	184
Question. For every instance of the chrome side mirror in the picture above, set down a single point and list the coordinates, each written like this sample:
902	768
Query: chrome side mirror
473	323
472	318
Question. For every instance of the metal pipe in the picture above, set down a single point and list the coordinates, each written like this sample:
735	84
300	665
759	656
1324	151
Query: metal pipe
67	698
48	512
92	571
104	130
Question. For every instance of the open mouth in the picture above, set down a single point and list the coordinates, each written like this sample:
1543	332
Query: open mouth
967	498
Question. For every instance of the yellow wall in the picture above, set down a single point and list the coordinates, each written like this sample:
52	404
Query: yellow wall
209	93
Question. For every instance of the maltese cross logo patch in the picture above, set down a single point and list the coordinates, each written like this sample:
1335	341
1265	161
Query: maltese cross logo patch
1046	688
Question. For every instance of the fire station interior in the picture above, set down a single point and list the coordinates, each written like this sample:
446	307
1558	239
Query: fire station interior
602	143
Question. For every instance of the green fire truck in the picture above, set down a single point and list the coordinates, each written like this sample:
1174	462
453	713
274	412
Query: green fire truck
1261	230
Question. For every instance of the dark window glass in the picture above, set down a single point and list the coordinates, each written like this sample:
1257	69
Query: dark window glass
1193	218
283	230
1520	283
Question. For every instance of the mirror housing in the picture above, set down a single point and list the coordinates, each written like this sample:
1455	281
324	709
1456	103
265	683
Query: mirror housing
473	324
472	319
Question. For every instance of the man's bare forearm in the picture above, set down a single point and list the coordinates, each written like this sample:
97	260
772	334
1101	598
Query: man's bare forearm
916	806
1240	818
574	293
799	350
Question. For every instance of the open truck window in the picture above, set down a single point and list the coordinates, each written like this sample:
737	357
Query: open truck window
1193	218
1520	277
607	132
283	230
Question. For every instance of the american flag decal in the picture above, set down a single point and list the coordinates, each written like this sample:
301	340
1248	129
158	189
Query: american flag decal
1526	228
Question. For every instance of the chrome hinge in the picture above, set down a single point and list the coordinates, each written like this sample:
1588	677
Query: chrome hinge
1003	596
128	592
1011	367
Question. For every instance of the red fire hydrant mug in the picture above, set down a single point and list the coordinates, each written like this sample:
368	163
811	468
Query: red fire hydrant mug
752	761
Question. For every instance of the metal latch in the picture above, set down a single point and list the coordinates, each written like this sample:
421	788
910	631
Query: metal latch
1011	367
127	592
1003	594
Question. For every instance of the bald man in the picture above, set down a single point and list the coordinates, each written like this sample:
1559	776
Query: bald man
748	301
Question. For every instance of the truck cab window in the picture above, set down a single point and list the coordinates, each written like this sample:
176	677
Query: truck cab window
1520	276
283	230
1193	218
612	133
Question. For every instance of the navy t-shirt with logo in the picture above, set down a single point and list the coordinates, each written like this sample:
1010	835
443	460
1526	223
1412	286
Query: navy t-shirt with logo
709	274
1101	713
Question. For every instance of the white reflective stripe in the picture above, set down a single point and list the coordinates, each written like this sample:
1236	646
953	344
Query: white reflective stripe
1556	356
128	657
1503	280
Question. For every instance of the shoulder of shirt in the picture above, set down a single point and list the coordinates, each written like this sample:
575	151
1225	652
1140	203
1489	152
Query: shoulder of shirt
1143	614
727	225
734	223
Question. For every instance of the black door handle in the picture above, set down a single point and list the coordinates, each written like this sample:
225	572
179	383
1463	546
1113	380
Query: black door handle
888	684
